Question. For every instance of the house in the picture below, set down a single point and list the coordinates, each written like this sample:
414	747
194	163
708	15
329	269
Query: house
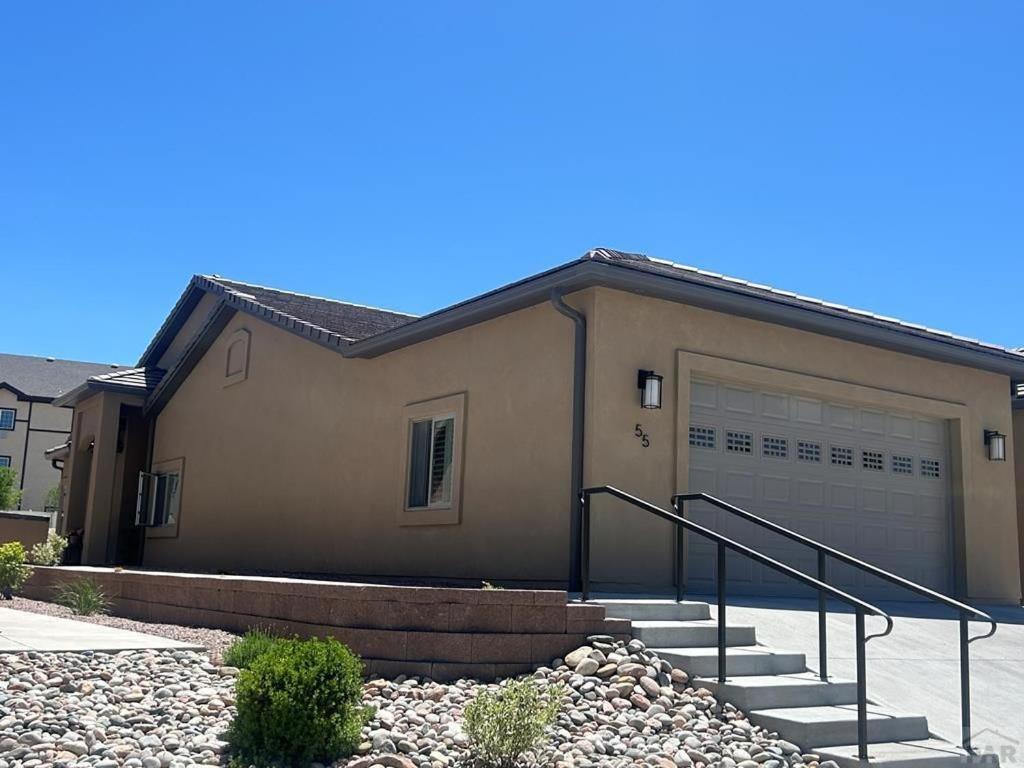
279	432
30	423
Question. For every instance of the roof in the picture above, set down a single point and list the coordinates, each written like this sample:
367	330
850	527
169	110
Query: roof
350	321
129	381
697	275
44	378
354	330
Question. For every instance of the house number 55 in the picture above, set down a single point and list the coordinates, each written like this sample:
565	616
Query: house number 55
645	441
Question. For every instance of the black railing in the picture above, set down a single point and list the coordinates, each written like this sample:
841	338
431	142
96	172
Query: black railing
860	607
964	611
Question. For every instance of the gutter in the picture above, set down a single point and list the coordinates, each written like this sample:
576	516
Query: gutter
579	393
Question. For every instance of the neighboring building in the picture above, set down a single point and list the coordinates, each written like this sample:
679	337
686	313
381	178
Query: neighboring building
287	433
30	423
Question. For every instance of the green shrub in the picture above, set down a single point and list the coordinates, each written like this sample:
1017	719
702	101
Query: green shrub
13	571
83	596
245	650
49	552
10	495
299	702
505	723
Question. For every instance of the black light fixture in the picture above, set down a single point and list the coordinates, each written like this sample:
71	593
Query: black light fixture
649	384
996	442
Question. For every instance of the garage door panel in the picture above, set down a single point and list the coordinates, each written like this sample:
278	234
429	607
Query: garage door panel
866	481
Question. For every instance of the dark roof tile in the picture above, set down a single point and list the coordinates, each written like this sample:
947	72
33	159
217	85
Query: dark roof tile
46	377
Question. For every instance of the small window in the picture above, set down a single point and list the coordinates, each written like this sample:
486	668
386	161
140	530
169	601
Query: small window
159	499
702	437
5	461
902	465
774	447
841	456
739	442
930	468
430	462
807	450
7	418
872	460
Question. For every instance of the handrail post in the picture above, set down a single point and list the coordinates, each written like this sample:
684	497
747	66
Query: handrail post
680	544
720	579
822	630
965	685
585	546
862	689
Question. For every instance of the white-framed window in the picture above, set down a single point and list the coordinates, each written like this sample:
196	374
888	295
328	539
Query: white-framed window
930	468
902	465
703	437
5	461
159	499
808	450
7	418
841	456
739	442
431	456
773	447
872	460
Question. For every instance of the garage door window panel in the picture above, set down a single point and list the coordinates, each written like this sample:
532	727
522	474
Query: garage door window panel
739	442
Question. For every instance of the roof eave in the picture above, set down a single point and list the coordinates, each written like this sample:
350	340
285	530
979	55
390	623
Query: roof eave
582	274
90	387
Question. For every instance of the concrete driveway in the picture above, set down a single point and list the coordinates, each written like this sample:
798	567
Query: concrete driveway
23	631
917	667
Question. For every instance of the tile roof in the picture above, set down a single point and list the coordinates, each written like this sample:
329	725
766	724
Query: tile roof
350	321
714	279
143	379
46	377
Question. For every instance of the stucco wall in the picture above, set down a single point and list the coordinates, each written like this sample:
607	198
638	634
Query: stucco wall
300	467
28	530
628	332
1018	468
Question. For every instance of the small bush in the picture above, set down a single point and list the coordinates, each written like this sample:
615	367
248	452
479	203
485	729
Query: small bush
83	596
299	702
244	651
49	552
504	724
10	495
13	571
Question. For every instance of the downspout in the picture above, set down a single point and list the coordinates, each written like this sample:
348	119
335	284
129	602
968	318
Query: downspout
579	383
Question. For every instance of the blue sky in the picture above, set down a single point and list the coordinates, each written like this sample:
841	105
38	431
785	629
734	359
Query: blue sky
409	155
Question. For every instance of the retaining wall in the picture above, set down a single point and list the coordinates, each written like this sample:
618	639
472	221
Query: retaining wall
436	632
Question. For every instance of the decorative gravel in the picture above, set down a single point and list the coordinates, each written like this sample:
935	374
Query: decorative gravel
214	640
170	709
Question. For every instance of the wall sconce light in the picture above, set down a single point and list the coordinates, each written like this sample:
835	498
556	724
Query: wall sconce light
996	442
649	384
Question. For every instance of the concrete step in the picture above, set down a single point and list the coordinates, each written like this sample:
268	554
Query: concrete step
925	753
739	660
686	634
656	610
828	726
804	689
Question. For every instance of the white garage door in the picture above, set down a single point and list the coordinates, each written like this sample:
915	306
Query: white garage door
874	484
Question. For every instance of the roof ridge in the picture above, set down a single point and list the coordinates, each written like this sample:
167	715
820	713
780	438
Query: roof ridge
52	359
219	278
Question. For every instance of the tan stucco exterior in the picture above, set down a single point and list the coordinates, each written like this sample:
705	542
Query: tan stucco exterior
38	426
299	465
630	332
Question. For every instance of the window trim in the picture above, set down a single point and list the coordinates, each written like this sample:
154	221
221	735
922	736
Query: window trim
434	420
14	419
446	513
10	459
169	467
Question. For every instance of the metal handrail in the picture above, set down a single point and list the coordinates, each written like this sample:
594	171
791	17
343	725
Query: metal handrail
824	551
723	543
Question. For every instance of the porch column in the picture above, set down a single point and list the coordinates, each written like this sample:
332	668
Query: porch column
96	545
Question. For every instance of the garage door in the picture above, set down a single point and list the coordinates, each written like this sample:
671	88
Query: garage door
869	482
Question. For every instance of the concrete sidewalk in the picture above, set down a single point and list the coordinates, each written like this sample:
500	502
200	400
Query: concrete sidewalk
917	667
23	631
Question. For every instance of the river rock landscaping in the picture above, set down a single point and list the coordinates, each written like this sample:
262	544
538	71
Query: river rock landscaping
171	709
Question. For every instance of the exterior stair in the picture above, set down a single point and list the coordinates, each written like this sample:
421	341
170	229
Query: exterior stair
777	691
